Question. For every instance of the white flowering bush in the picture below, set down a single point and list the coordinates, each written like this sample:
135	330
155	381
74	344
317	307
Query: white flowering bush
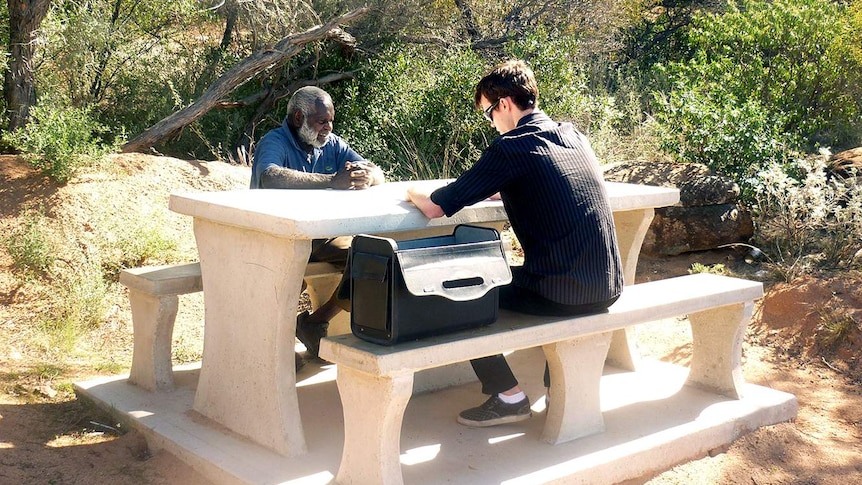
807	218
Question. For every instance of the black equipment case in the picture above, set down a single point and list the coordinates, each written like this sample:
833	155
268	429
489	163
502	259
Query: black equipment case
404	290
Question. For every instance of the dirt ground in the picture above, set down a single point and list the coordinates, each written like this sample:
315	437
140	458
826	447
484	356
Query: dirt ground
47	436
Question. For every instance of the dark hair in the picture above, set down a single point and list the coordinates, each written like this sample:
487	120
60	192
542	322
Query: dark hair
511	78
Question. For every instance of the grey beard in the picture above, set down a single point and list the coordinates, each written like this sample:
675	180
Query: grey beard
309	136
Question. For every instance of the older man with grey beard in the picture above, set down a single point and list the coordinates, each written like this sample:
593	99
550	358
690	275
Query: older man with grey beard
304	154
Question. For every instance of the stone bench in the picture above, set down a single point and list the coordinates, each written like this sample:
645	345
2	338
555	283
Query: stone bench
153	296
376	382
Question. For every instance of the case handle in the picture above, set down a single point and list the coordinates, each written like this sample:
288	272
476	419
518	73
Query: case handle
464	282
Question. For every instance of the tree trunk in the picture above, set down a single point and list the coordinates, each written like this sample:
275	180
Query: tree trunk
238	75
20	83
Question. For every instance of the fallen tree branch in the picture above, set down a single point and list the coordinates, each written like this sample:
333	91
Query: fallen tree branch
280	94
237	76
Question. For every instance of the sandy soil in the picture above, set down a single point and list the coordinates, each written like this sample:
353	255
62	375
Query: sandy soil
48	436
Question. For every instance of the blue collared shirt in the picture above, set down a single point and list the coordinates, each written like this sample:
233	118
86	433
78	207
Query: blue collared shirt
279	148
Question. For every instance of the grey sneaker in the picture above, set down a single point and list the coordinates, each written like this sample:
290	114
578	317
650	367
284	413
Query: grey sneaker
310	333
495	412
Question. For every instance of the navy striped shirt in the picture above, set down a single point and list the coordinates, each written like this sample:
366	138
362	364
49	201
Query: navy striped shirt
553	191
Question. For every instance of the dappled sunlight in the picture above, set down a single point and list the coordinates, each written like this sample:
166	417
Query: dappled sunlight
540	405
321	478
501	439
326	373
670	341
421	454
140	414
78	439
543	475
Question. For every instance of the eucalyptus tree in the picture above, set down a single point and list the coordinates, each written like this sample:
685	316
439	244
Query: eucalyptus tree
124	57
19	88
269	48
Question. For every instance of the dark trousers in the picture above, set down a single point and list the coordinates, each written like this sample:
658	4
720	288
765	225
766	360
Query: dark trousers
494	372
333	250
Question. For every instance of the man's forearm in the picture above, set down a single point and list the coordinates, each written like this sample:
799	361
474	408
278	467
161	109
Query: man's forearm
422	200
286	178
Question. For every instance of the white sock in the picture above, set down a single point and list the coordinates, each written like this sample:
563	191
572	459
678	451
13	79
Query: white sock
520	396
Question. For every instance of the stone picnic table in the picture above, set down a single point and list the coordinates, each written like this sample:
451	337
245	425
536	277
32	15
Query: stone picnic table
254	246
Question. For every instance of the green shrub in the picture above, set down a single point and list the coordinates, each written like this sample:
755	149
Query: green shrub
84	298
411	111
78	255
130	243
29	245
836	327
411	108
127	60
60	140
729	137
698	268
590	93
764	78
78	302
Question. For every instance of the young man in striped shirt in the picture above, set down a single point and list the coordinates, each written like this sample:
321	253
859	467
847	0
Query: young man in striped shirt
552	188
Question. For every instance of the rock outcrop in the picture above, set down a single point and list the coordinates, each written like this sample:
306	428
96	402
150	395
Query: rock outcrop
708	215
847	163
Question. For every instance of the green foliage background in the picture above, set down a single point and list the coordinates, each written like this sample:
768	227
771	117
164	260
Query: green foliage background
735	85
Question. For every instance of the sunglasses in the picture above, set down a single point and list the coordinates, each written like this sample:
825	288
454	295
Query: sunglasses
488	112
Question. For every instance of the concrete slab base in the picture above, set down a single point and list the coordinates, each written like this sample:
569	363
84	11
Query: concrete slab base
652	421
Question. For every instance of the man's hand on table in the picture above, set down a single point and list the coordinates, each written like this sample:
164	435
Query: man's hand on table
357	176
374	172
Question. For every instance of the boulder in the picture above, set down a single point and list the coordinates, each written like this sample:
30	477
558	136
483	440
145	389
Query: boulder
708	215
677	230
846	164
697	184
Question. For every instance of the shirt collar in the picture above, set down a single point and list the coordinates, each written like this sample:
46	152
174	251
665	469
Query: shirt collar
536	115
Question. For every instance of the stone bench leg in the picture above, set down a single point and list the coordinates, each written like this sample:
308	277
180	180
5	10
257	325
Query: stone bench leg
153	321
631	228
373	412
576	370
716	362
